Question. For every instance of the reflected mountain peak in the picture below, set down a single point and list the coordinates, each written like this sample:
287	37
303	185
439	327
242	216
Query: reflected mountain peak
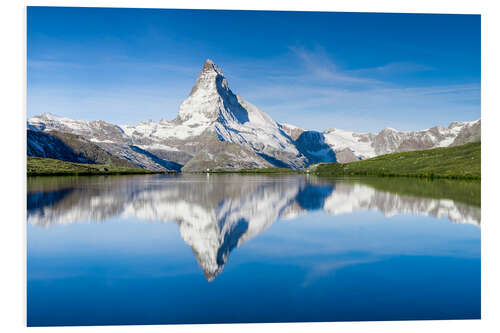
216	214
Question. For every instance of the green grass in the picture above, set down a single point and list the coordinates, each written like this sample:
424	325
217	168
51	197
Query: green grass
458	162
37	166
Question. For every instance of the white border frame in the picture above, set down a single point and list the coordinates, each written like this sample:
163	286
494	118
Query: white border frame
13	139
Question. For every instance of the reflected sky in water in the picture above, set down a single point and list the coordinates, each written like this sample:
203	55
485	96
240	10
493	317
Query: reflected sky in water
232	248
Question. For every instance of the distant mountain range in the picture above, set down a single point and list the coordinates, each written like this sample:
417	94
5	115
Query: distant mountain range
216	129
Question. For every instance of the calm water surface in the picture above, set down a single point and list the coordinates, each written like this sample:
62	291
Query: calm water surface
232	248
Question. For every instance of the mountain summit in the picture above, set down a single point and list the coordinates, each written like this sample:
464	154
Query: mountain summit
224	117
218	129
211	99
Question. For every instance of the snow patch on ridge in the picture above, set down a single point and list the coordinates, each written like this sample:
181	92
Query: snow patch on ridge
359	143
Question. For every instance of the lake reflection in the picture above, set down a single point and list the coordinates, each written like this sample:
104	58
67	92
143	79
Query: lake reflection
217	213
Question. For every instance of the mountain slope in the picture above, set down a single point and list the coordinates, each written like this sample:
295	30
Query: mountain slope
214	128
71	148
447	162
224	156
218	129
468	134
312	144
389	140
42	144
212	111
107	137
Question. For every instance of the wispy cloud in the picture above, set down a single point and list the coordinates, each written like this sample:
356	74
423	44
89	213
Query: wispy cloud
52	64
317	65
116	62
400	67
356	99
305	87
328	267
325	107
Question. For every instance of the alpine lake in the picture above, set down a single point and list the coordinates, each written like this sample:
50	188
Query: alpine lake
230	248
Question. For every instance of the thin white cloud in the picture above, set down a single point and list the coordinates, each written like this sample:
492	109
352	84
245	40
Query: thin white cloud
318	66
399	67
52	64
369	109
37	64
318	94
302	86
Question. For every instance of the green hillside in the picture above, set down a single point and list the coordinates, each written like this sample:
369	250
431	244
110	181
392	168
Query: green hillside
458	162
37	166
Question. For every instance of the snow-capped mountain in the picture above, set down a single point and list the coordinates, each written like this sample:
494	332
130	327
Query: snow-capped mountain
216	214
217	129
389	140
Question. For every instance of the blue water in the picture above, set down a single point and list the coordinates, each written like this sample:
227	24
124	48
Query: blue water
239	249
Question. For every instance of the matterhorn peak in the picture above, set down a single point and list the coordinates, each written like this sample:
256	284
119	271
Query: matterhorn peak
209	95
209	79
210	66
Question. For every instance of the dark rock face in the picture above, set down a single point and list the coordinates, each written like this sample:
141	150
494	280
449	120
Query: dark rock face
292	132
179	157
386	141
71	148
345	156
168	165
416	143
140	157
215	154
40	144
312	145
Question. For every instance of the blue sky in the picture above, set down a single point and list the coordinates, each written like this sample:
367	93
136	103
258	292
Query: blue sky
356	71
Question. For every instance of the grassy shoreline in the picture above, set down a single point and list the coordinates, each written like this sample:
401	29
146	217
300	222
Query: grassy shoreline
38	166
458	162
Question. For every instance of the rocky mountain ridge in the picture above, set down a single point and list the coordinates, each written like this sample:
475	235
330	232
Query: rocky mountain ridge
217	129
